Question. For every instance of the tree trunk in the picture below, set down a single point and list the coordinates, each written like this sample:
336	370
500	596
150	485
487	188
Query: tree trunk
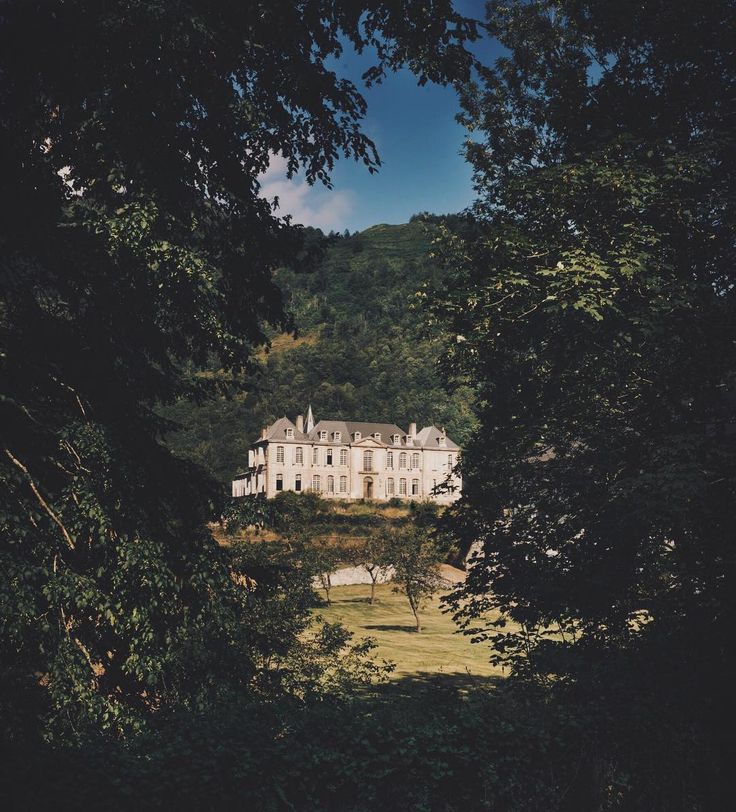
373	592
415	610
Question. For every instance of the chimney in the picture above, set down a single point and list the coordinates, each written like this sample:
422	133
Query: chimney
412	430
264	432
300	423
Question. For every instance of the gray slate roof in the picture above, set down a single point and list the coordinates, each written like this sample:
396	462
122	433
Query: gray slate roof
429	436
277	431
347	429
426	438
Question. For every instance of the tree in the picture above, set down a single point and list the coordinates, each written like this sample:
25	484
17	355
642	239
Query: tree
371	555
136	249
325	556
415	558
593	306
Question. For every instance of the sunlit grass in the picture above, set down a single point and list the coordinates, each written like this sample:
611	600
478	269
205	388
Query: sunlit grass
439	650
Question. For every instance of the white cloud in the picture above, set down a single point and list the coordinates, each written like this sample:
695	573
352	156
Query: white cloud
309	205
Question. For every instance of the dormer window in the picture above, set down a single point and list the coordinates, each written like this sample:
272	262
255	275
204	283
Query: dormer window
396	439
290	433
442	441
409	439
337	436
323	435
357	435
377	436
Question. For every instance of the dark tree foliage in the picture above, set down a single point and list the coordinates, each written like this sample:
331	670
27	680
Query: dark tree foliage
134	243
595	308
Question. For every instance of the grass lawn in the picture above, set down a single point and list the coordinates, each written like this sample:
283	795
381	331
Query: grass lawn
438	653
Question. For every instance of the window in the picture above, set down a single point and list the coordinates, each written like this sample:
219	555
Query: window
323	435
279	453
289	433
343	456
415	460
298	482
279	482
390	486
330	484
336	436
402	487
415	487
449	461
367	460
328	460
298	455
357	435
389	459
442	441
402	460
377	436
316	483
396	439
315	456
343	484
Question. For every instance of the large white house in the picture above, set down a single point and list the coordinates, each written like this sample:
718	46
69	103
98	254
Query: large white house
345	459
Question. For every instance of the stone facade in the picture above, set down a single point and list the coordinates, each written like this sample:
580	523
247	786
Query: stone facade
352	460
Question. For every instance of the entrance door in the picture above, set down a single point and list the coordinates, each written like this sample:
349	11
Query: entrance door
368	488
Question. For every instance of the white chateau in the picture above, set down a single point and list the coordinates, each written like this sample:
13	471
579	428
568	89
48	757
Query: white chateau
350	460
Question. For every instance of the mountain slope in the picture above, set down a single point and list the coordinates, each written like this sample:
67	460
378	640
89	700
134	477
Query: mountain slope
360	353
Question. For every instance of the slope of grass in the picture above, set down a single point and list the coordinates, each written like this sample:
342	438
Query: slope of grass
439	651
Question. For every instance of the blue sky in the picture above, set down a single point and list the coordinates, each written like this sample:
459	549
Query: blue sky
419	142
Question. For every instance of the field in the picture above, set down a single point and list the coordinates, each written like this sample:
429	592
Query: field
437	654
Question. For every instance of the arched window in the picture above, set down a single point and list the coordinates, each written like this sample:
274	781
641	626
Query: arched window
330	484
279	453
279	482
343	456
367	460
315	456
389	459
298	455
415	460
316	483
298	482
328	458
402	460
390	486
343	484
402	487
415	487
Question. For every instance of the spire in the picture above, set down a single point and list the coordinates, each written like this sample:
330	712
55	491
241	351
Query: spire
310	419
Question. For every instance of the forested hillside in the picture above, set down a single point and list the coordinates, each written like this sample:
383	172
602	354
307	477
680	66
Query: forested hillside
360	351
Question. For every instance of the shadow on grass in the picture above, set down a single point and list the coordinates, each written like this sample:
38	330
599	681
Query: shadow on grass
357	600
424	681
390	627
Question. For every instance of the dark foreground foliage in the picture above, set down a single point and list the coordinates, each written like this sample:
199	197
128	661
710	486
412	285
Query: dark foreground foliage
425	749
136	247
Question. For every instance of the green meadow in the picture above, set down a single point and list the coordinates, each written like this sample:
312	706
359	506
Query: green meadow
438	653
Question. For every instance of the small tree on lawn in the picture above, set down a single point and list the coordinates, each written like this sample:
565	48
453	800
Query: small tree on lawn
371	555
324	556
415	557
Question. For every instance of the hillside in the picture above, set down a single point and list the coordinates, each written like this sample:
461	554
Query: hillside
360	352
